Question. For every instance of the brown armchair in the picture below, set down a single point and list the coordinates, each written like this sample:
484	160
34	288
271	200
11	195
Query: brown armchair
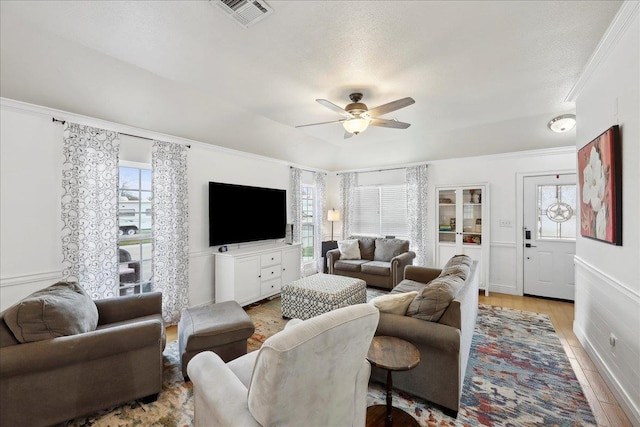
52	380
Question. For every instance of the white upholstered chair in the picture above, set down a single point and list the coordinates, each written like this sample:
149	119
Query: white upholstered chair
313	373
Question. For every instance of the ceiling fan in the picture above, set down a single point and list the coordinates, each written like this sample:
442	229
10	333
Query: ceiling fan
357	117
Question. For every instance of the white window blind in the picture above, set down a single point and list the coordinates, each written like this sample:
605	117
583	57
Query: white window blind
380	210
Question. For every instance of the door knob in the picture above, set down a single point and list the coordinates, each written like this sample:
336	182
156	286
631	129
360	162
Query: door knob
529	245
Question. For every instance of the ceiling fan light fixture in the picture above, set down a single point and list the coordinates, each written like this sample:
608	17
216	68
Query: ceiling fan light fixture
356	125
562	123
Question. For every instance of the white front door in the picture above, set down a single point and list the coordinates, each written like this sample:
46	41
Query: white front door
550	227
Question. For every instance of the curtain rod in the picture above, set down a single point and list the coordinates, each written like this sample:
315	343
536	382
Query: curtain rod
306	170
120	133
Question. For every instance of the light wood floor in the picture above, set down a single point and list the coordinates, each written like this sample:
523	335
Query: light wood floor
605	408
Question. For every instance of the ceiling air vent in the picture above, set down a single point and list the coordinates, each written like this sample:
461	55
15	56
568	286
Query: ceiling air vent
246	12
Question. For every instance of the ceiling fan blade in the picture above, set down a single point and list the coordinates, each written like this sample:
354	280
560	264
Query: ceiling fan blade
321	123
391	106
389	123
347	134
330	105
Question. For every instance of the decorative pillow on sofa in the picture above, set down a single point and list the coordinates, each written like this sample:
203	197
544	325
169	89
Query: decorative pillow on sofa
394	303
389	248
349	249
59	310
367	246
432	302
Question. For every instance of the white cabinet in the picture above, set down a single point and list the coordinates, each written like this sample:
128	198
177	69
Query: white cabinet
463	226
291	264
250	274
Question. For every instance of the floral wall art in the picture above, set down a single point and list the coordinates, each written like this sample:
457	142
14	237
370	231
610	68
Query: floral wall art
600	177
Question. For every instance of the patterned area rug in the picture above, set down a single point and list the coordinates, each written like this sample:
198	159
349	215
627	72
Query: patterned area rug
518	375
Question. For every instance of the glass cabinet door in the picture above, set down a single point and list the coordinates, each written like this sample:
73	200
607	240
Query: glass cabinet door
472	216
447	216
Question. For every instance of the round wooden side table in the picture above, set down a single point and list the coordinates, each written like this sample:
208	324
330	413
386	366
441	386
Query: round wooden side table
391	354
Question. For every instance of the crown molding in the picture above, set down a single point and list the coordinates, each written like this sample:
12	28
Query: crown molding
47	112
626	14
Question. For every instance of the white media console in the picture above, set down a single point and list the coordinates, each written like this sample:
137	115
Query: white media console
251	274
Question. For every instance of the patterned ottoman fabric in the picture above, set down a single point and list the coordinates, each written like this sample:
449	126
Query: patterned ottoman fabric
320	293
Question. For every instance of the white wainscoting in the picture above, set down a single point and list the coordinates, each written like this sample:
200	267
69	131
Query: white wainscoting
201	274
201	289
605	307
502	269
14	288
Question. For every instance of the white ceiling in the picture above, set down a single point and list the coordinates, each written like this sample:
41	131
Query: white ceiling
486	75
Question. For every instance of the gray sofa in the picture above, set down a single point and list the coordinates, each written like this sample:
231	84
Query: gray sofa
381	264
445	342
50	380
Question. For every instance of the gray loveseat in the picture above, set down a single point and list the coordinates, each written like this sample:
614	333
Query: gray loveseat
381	264
445	341
50	380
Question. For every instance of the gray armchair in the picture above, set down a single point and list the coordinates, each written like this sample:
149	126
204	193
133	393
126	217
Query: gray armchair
49	381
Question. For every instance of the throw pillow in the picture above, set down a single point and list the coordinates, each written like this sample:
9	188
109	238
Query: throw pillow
433	301
394	303
59	310
349	249
367	246
386	249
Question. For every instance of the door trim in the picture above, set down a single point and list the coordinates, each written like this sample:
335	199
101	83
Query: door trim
520	176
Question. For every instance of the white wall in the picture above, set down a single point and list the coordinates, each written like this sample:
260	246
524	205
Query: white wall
500	172
209	164
30	175
608	276
31	187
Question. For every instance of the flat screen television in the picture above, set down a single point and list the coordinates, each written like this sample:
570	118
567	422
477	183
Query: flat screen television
241	213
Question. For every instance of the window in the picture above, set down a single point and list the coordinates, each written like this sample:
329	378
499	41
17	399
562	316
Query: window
307	228
380	210
556	212
134	220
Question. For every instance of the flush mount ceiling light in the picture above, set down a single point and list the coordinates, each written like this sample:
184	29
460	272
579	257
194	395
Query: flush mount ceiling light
562	123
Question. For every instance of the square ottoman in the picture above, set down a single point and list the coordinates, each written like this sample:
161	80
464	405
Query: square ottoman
320	293
222	328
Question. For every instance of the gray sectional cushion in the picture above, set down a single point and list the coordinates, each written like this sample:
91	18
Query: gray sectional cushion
349	264
459	265
435	298
58	310
386	249
456	261
407	285
380	268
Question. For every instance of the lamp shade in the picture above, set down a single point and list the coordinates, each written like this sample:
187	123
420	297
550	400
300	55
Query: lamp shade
355	125
333	215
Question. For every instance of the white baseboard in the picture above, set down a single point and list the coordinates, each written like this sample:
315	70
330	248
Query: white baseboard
606	307
623	398
503	289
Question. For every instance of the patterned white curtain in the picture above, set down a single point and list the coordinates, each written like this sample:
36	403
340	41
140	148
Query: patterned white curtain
417	211
90	209
295	184
347	192
318	218
170	208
